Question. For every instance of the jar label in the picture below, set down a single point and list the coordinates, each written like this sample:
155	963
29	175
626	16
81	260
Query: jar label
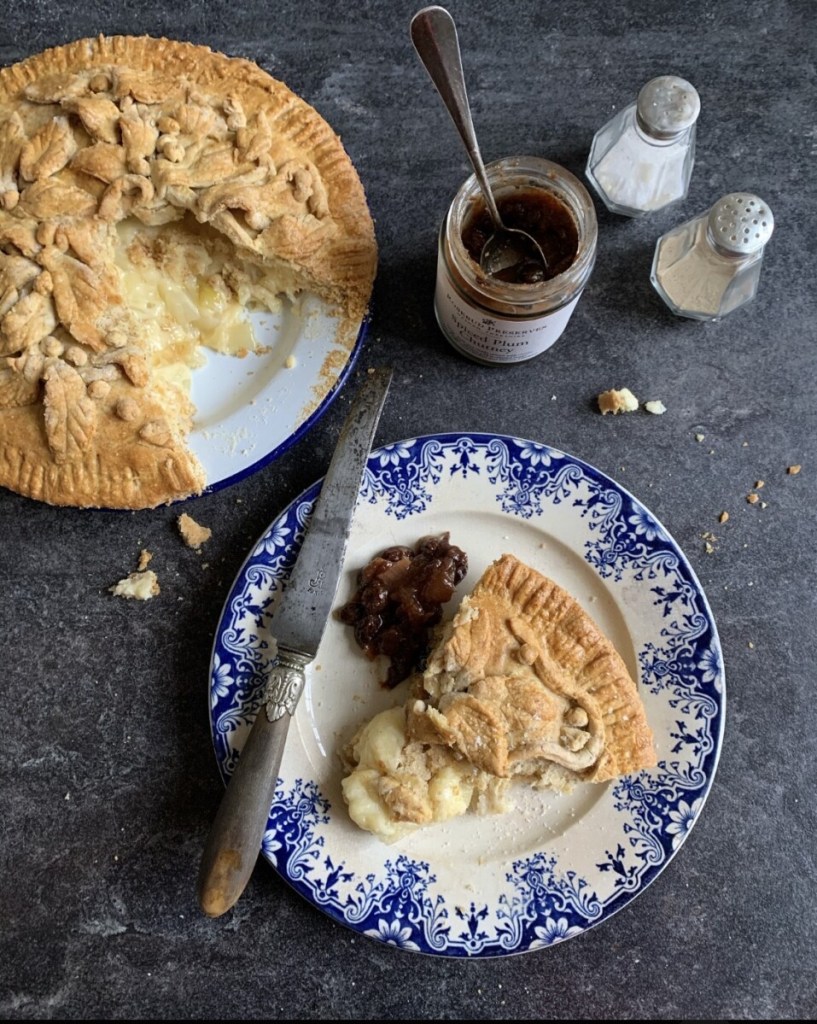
492	339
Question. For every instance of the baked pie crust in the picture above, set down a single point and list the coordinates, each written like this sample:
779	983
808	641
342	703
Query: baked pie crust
124	159
520	684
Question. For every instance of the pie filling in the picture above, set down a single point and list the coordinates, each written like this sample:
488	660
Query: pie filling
177	289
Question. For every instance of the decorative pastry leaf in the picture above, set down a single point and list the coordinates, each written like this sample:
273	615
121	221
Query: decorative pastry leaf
48	151
99	116
255	142
26	323
15	389
139	139
8	298
21	232
52	198
81	295
89	240
55	88
12	138
142	86
16	271
200	122
211	164
124	195
103	160
70	415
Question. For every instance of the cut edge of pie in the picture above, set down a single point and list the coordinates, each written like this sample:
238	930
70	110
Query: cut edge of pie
184	142
520	684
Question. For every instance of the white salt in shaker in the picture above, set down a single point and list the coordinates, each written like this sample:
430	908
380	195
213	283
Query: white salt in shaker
710	265
642	159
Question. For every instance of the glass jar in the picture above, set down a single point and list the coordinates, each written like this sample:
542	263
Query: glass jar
710	265
497	322
642	159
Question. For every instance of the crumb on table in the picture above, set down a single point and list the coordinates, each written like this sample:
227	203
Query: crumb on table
193	534
656	407
144	558
140	586
617	400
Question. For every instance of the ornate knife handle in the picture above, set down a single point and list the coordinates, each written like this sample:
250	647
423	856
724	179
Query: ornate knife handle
285	684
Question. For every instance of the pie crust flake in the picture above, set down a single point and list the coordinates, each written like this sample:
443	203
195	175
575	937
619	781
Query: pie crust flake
521	684
150	191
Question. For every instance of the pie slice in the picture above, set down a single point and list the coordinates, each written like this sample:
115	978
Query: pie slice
150	192
521	684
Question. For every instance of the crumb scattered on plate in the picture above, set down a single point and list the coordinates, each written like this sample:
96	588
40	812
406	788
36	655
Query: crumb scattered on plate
138	585
617	400
290	362
723	517
657	407
193	534
144	558
753	499
793	470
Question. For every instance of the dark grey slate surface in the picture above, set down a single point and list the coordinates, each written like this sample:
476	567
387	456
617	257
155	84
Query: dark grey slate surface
108	780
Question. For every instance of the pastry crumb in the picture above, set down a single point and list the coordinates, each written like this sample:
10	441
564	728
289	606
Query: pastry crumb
290	362
723	517
657	407
709	540
193	534
759	484
144	558
753	499
793	470
140	586
617	400
700	437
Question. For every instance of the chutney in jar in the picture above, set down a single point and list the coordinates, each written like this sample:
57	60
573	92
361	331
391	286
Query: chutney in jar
540	214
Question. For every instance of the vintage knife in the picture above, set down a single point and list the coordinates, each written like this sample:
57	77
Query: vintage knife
298	624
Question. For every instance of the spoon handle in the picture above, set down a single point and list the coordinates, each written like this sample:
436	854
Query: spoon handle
434	35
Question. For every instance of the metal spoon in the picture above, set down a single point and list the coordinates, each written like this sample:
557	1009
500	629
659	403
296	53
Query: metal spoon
434	35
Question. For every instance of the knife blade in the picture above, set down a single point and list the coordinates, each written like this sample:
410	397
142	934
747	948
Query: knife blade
298	624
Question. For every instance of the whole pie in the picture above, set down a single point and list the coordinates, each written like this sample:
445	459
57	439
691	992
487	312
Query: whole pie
150	192
521	684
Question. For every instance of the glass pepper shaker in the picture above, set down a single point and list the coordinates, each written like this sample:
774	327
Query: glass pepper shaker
642	159
710	265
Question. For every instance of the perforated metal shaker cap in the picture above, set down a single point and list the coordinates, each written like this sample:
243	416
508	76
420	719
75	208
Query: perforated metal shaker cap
741	223
667	106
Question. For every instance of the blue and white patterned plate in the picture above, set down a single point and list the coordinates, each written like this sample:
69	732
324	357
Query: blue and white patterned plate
556	865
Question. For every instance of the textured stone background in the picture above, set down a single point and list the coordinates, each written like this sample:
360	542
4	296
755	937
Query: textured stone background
108	779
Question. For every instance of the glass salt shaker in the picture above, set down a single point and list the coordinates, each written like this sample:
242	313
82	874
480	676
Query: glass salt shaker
710	265
642	159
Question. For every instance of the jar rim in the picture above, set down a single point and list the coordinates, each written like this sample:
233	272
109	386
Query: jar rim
505	175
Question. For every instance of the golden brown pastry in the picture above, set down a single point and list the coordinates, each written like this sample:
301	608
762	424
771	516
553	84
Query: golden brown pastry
149	191
520	684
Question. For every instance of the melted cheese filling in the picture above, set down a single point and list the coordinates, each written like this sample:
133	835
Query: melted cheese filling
177	292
